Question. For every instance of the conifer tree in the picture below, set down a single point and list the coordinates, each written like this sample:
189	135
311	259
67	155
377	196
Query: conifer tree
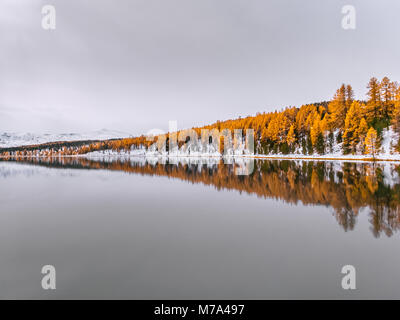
324	124
396	117
352	122
396	112
387	96
339	105
362	133
374	100
349	96
320	145
314	131
316	135
371	142
291	137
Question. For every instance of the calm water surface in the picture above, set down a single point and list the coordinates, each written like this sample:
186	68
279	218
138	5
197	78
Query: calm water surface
132	228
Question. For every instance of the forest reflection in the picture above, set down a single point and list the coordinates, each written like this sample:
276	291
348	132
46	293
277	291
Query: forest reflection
346	187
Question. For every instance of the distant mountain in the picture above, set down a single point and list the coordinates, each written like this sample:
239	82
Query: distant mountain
17	139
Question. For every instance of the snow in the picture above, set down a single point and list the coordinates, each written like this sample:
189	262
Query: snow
181	154
201	150
150	154
388	140
16	139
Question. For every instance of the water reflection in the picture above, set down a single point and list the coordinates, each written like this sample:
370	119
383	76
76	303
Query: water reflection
346	187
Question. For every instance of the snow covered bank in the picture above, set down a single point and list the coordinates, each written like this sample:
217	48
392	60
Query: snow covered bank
385	153
110	154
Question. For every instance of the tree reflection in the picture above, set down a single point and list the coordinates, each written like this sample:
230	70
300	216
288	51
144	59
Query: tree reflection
345	187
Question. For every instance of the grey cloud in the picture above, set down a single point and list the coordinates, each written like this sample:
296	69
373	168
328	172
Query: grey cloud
134	65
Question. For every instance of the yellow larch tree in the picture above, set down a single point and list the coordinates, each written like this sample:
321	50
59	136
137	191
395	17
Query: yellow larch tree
291	137
396	112
339	105
315	130
373	107
371	142
361	132
351	125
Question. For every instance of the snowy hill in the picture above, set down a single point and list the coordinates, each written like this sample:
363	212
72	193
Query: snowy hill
14	139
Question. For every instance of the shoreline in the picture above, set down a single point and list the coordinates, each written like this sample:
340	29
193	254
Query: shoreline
257	156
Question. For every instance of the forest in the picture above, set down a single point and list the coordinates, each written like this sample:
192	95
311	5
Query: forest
355	126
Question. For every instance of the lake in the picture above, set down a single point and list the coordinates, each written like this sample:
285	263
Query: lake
140	228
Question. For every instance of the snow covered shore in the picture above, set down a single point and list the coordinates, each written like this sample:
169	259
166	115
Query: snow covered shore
386	153
128	154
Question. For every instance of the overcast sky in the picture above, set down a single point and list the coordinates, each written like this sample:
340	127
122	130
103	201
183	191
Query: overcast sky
132	65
